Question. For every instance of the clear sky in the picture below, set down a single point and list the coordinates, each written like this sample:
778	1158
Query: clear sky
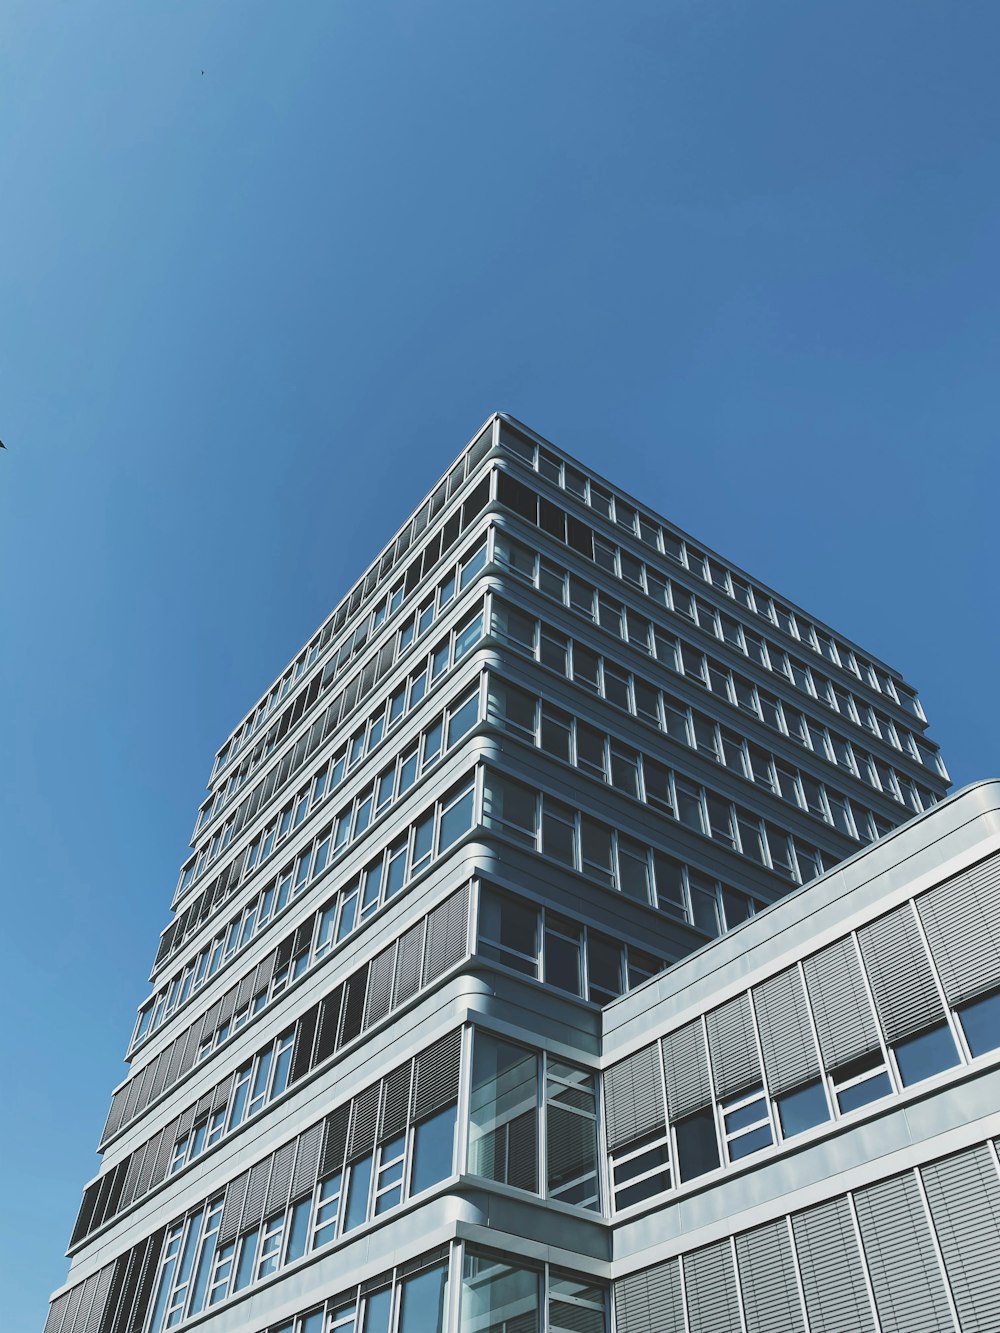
265	267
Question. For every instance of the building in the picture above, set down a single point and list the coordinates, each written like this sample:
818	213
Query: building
491	1001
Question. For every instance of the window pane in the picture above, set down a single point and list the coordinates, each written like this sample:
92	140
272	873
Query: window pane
423	1302
433	1149
503	1113
697	1145
926	1054
981	1024
357	1193
800	1110
456	820
496	1296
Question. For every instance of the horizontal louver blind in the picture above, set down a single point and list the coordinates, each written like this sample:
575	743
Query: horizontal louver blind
446	935
962	920
964	1196
786	1039
233	1208
710	1286
305	1031
906	997
685	1067
281	1179
633	1097
408	959
307	1152
830	1263
845	1023
733	1047
395	1103
650	1300
334	1140
905	1273
327	1024
437	1076
253	1208
380	985
363	1123
771	1302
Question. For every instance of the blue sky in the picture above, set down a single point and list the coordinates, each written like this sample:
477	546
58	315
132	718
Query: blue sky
265	268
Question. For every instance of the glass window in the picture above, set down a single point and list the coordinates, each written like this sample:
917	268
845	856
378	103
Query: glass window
639	1173
498	1298
556	732
456	817
563	947
378	1306
512	807
503	1113
298	1231
508	931
433	1150
327	1209
981	1023
926	1054
604	968
512	705
358	1187
463	717
595	848
747	1124
697	1145
802	1109
559	831
423	1302
860	1082
248	1253
571	1131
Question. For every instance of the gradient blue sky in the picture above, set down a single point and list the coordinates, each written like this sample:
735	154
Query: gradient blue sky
741	258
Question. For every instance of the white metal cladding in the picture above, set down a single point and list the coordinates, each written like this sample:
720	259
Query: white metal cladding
964	1197
786	1039
905	1273
962	921
833	1281
710	1285
771	1301
733	1047
906	996
845	1023
651	1300
633	1097
685	1065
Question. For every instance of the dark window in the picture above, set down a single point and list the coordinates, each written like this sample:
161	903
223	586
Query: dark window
697	1145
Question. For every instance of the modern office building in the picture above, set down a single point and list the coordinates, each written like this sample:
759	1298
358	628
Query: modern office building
577	937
